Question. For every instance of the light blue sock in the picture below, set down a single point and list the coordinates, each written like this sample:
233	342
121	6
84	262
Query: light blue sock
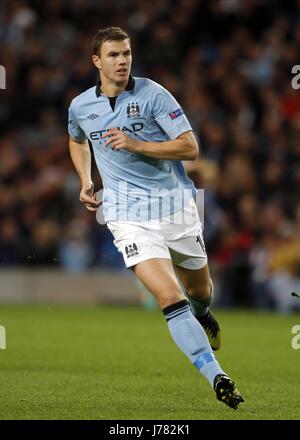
191	339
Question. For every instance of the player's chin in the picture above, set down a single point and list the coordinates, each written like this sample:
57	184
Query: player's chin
122	78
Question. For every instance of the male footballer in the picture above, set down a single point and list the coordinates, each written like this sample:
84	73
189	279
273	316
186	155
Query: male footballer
140	135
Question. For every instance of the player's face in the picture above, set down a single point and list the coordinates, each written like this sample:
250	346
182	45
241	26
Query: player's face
115	60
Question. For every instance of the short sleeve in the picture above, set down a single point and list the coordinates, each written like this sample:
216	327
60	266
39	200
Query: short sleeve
169	115
74	129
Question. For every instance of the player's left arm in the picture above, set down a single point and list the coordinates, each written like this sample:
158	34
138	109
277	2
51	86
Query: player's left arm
184	147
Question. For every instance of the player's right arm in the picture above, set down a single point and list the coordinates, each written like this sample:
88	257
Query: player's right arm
81	158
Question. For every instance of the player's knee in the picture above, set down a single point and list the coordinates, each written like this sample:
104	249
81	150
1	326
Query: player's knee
201	291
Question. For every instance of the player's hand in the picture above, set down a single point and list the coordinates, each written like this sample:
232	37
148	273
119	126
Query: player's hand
88	197
118	140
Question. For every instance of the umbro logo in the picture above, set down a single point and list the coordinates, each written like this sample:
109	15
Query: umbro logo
92	116
131	250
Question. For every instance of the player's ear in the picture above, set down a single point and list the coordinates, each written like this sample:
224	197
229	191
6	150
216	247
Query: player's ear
96	60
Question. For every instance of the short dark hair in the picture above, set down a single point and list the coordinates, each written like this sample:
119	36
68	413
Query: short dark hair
108	34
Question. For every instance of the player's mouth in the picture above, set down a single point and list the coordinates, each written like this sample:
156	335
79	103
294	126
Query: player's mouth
122	72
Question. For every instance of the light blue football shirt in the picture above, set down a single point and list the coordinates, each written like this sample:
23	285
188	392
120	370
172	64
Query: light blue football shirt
136	187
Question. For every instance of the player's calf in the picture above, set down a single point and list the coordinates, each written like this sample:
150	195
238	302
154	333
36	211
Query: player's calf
212	329
200	300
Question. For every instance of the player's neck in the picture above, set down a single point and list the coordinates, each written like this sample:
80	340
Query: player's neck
112	89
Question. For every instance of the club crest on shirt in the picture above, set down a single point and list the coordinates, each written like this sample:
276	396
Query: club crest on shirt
133	110
131	250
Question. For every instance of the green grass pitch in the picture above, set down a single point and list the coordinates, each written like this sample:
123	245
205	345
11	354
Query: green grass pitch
120	363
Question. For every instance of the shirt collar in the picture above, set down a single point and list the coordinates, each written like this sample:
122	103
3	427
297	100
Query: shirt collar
129	87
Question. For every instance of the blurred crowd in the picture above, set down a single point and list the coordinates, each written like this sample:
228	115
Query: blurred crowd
228	62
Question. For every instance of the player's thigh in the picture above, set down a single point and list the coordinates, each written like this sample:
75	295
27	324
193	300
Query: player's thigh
196	282
158	275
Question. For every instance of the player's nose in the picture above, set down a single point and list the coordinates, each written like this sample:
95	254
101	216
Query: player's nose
122	60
